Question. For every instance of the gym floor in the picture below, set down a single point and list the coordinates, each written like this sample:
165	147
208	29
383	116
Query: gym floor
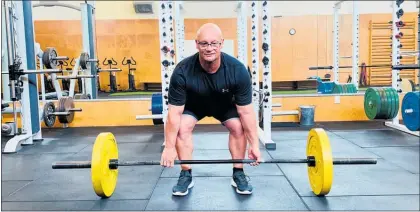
29	183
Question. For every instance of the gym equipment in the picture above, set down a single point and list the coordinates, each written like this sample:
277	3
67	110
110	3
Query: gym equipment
64	82
112	76
50	58
410	110
64	111
324	87
381	103
131	82
105	162
82	96
406	86
84	60
344	88
157	107
396	67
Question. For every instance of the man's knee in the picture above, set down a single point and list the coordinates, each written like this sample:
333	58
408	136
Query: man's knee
235	127
186	127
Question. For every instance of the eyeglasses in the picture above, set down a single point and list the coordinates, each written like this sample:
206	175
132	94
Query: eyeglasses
204	45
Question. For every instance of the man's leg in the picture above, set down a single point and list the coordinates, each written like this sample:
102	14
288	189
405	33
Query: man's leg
237	141
237	148
184	148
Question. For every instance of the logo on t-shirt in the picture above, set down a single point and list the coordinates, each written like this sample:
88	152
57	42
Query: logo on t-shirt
225	90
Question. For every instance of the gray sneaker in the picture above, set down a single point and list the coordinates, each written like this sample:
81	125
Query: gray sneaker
241	182
185	182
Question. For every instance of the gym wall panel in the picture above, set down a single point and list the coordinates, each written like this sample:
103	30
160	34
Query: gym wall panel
291	55
123	112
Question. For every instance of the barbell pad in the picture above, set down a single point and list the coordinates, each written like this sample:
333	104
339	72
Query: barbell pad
321	175
104	179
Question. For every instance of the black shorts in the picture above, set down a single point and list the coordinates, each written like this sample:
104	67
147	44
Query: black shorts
222	115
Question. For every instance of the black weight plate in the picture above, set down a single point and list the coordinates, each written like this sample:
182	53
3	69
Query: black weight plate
48	117
65	104
48	58
84	64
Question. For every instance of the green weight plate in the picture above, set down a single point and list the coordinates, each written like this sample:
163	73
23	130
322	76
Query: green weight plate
340	89
396	102
394	98
345	88
390	102
384	104
335	89
372	103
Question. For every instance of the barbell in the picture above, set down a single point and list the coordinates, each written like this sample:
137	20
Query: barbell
64	111
104	163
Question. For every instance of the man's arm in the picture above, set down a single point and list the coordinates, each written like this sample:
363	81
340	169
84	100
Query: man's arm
249	123
176	102
172	125
243	98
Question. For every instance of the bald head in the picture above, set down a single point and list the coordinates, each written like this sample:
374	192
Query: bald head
209	31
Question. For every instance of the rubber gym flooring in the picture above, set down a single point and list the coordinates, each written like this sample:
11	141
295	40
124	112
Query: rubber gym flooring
29	183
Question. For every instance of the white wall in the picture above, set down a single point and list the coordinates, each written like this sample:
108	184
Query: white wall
216	9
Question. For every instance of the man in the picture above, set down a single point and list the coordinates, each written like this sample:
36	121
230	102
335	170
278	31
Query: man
210	83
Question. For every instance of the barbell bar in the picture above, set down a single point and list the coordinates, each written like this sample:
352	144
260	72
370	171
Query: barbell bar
40	71
75	77
109	70
114	163
104	163
397	67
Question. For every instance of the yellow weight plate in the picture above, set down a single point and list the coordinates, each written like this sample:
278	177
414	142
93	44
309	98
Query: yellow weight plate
104	180
320	175
406	85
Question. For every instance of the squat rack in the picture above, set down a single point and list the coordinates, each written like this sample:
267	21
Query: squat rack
396	55
18	27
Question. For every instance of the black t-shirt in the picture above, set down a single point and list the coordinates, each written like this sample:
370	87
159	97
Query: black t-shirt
193	87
